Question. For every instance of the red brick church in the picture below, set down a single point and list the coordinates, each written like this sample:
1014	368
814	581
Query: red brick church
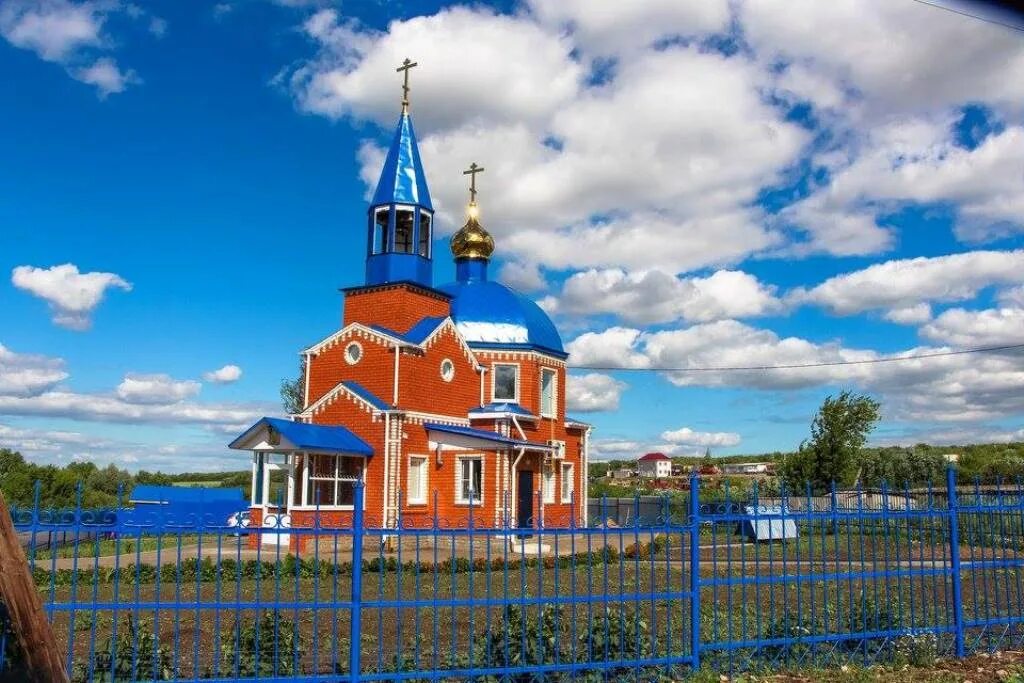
438	398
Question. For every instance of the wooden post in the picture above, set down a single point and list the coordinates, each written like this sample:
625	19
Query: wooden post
43	658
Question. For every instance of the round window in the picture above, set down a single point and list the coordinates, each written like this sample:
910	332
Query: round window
353	353
447	370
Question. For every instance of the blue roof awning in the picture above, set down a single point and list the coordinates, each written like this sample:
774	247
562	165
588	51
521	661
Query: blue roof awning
500	409
468	437
151	493
300	436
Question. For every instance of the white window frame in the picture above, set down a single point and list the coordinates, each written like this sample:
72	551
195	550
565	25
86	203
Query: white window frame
494	378
479	497
424	477
548	483
568	474
430	233
357	345
380	231
553	412
336	478
451	375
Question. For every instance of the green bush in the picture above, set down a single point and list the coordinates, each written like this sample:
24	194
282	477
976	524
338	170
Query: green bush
135	655
268	646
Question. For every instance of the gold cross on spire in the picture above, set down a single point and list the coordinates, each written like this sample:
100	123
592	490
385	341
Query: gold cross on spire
406	65
473	170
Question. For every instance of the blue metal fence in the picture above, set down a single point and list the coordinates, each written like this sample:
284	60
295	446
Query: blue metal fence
895	575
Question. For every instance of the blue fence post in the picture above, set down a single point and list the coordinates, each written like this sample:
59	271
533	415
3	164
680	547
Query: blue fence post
953	509
695	570
355	632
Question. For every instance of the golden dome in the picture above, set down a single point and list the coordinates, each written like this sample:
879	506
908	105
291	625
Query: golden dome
472	241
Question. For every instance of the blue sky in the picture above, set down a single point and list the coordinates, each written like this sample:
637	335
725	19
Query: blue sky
680	185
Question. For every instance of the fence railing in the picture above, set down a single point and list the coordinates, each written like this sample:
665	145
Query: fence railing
730	585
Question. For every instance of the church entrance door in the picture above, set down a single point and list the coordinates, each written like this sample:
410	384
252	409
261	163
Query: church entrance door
524	504
276	494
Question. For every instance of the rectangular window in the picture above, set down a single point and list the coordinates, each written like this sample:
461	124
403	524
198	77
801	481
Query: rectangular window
424	242
549	483
332	480
380	231
505	383
417	491
403	231
547	393
568	483
469	484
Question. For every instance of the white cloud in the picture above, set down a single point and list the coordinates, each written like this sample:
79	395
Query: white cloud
27	374
896	54
70	34
949	388
525	277
1012	297
107	408
344	77
618	27
593	392
904	284
72	296
916	161
107	76
688	437
612	348
909	315
663	177
158	389
654	296
158	26
224	375
991	327
53	29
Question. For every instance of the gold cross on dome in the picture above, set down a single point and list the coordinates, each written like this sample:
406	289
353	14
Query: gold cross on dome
473	170
406	65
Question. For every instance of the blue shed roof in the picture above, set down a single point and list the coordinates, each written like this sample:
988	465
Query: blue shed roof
311	437
150	493
402	180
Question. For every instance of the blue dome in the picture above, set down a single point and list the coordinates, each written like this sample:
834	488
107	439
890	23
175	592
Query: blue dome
489	314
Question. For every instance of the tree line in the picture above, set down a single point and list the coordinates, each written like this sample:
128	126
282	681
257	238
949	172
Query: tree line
59	486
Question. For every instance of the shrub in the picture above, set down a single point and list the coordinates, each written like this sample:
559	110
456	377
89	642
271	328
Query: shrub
135	655
265	646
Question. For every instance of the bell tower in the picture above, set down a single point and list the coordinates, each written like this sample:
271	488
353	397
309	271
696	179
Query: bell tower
401	215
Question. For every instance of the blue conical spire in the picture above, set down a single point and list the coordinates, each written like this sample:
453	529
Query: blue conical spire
401	215
402	180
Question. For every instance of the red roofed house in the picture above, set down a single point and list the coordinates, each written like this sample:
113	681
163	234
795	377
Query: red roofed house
440	399
655	465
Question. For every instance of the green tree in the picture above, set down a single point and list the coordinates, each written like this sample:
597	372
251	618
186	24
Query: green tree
838	433
293	392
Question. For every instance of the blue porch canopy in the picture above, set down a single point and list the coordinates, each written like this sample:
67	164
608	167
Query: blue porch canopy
283	436
467	437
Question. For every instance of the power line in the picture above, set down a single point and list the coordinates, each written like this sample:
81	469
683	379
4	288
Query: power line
870	361
968	14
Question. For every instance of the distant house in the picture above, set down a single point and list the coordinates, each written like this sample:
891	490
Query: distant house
654	465
744	468
621	473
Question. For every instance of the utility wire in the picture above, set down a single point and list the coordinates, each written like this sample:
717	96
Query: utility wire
968	14
870	361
